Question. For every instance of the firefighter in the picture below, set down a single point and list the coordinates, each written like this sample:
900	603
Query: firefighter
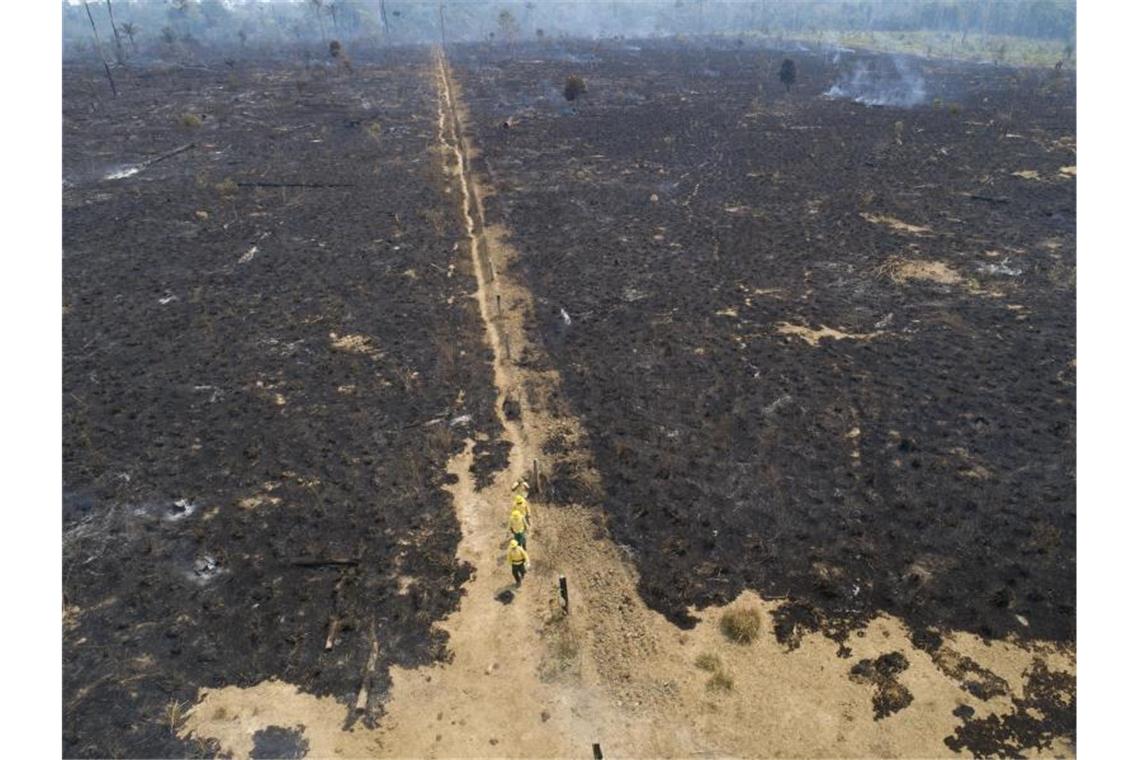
516	523
523	506
518	560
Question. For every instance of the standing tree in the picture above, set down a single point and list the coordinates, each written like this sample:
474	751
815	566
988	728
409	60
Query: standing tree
99	49
120	57
317	6
788	74
508	26
384	19
336	50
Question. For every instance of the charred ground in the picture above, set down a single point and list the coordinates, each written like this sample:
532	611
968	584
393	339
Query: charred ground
821	350
699	228
257	379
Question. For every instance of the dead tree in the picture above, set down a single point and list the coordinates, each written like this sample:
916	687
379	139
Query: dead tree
384	19
318	5
120	56
99	49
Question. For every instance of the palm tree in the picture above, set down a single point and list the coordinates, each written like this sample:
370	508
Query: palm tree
130	30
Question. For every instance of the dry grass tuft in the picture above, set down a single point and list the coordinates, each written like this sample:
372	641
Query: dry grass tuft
742	624
174	714
227	188
719	681
902	270
709	662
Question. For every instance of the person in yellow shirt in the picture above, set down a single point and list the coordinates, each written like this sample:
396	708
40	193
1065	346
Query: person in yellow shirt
522	505
516	523
518	559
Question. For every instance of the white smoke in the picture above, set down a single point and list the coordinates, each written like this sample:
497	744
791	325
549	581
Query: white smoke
895	84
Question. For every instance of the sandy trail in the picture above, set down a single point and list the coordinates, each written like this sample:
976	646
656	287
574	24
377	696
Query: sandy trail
526	681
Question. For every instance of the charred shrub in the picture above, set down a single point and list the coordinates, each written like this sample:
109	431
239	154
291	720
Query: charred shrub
334	49
575	87
788	74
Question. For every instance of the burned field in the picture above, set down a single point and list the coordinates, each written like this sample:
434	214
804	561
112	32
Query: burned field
270	354
821	349
818	349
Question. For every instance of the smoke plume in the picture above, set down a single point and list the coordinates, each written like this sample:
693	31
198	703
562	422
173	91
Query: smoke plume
892	82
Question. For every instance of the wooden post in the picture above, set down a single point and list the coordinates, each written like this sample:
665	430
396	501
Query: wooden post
537	488
366	681
334	628
564	592
499	304
597	751
507	344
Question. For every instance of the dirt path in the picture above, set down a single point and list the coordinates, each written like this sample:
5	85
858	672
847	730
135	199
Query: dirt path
527	681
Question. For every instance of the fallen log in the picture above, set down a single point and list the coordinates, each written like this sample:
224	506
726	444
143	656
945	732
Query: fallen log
987	199
316	185
168	154
323	561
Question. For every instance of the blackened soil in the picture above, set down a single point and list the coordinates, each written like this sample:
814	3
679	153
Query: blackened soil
882	673
219	442
280	743
972	677
1047	711
686	206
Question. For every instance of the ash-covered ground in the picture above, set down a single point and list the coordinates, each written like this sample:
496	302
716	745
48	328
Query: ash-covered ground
270	353
823	349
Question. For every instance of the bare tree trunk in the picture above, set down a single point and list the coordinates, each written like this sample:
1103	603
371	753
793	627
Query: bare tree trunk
119	55
321	22
442	32
99	49
384	19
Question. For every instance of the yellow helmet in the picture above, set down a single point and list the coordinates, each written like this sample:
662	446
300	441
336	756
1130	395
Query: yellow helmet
519	500
514	543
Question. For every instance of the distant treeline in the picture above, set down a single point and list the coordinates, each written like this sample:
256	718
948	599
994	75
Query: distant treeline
177	27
